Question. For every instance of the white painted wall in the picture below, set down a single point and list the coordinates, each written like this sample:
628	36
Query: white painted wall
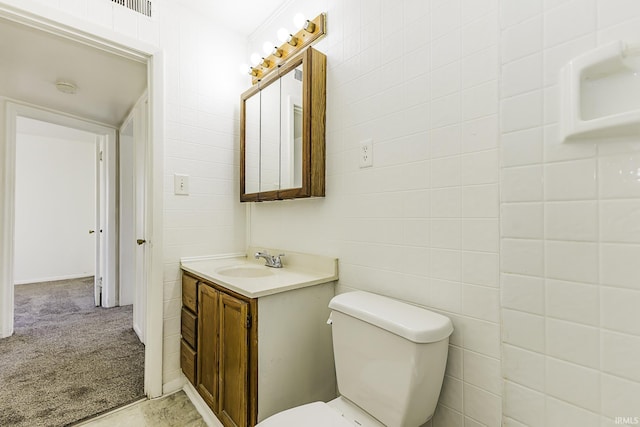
55	203
420	79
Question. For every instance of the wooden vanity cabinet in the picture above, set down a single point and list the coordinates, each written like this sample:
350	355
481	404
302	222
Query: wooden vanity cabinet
244	384
226	342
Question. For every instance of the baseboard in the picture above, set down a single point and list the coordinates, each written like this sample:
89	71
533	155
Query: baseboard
173	386
203	409
52	279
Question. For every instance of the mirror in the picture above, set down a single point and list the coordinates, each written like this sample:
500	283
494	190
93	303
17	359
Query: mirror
282	132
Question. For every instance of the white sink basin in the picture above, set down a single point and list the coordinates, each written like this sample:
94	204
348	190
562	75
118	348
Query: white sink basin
245	271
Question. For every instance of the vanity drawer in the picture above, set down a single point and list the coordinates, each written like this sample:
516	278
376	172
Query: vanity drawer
188	361
190	293
189	327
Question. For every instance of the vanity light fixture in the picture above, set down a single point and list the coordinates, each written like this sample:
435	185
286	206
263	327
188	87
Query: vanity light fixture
309	26
309	31
292	40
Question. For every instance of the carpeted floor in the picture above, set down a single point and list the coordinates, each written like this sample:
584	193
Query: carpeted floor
67	359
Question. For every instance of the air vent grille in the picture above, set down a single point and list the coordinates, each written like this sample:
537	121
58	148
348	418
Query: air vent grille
140	6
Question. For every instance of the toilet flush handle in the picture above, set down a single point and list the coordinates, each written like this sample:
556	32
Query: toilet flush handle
329	320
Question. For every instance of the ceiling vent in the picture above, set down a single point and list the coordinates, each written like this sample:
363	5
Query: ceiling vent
140	6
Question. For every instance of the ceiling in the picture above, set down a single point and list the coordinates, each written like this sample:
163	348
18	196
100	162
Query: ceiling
31	61
108	85
242	15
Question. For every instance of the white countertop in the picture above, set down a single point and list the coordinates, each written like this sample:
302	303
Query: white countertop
299	271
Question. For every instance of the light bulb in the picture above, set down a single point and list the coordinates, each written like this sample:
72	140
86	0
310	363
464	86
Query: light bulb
299	20
256	58
283	34
267	47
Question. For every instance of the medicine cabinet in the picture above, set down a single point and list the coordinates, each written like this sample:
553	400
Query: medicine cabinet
282	132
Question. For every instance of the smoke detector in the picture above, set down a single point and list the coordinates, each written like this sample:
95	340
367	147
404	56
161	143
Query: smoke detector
66	87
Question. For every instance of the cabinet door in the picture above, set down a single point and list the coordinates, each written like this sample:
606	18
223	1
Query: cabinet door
207	370
234	361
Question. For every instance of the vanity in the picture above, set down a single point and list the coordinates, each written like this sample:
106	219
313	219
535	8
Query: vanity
254	339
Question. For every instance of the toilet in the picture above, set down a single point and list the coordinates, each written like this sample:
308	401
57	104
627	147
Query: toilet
390	359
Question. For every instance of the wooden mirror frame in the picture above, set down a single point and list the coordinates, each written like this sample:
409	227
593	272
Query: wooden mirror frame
314	96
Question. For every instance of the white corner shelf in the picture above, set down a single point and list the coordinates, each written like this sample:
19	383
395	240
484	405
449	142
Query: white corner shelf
600	93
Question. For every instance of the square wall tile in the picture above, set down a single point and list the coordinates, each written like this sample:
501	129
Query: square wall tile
620	176
523	367
521	112
523	330
574	384
621	355
480	101
481	302
569	21
522	39
481	337
559	413
573	342
573	261
620	221
619	308
522	76
619	265
522	184
524	405
480	67
523	293
516	11
483	372
482	406
480	134
480	168
480	201
619	396
480	34
480	268
522	257
522	147
480	235
577	302
572	220
522	220
573	180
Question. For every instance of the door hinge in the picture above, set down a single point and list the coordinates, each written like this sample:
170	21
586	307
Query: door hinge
101	156
248	325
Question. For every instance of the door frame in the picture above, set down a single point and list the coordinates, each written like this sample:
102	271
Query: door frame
46	19
106	234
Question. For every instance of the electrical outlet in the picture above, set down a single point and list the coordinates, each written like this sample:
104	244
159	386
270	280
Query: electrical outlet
366	153
180	184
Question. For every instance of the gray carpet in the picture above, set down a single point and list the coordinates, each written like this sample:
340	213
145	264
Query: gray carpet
67	359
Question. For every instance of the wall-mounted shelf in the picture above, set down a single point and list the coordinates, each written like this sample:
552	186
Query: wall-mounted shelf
600	93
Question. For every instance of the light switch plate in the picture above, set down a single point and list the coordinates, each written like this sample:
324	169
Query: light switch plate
366	153
180	184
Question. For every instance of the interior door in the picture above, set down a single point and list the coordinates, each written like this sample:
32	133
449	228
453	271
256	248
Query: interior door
99	223
140	201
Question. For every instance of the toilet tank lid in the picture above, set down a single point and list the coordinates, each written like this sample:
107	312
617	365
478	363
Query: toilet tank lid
409	321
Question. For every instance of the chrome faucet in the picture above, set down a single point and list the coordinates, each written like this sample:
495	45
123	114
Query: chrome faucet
272	260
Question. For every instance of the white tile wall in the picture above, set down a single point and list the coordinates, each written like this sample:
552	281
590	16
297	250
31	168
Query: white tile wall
433	120
569	229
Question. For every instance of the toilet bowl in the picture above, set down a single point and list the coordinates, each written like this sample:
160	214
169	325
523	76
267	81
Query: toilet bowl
390	359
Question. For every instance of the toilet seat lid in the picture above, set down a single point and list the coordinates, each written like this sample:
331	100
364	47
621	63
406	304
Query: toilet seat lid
316	414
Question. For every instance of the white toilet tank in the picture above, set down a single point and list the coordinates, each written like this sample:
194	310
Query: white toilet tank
390	356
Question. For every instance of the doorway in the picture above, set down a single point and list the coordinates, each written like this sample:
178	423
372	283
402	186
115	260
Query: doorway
86	50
